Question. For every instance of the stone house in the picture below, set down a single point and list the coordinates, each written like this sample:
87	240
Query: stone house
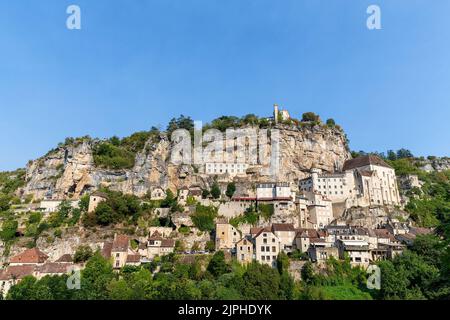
321	253
32	256
158	246
286	234
157	193
267	247
226	235
95	199
245	250
357	250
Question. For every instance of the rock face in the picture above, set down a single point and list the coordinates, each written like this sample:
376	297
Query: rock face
69	171
434	164
372	217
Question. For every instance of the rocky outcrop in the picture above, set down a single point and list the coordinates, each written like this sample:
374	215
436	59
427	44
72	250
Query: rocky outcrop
69	171
372	217
433	164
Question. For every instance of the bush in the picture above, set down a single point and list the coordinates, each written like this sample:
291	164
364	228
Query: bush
231	189
310	117
82	254
107	155
9	229
215	191
204	216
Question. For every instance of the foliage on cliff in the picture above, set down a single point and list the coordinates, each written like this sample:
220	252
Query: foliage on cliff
116	153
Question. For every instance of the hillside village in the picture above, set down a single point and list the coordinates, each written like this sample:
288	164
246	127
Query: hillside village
332	206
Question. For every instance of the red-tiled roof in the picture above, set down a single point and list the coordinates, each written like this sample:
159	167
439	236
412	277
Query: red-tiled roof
65	258
17	272
30	256
120	243
255	230
283	227
133	258
307	233
106	250
364	161
54	268
382	233
266	229
155	236
167	243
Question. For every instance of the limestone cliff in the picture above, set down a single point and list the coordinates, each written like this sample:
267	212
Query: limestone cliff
69	170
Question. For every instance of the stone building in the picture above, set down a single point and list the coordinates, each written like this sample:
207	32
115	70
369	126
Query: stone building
244	250
95	199
230	168
226	235
267	247
364	181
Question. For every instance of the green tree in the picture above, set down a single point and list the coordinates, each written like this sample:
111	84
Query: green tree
310	117
217	265
82	254
9	229
95	278
261	282
204	217
215	191
331	122
231	189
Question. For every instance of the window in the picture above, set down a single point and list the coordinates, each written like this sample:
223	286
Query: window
264	240
273	239
274	249
262	248
263	258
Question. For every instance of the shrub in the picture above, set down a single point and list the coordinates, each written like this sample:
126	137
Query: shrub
82	254
204	216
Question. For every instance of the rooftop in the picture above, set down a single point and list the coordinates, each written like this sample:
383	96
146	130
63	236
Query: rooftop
365	161
30	256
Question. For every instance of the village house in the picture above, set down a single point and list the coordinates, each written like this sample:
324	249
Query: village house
52	269
95	199
32	256
244	250
226	235
158	246
320	252
285	232
157	193
357	250
304	237
13	275
320	211
267	247
121	252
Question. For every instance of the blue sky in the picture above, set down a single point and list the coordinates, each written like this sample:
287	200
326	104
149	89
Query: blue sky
136	64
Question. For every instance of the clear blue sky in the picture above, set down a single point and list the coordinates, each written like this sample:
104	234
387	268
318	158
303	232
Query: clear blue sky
139	63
